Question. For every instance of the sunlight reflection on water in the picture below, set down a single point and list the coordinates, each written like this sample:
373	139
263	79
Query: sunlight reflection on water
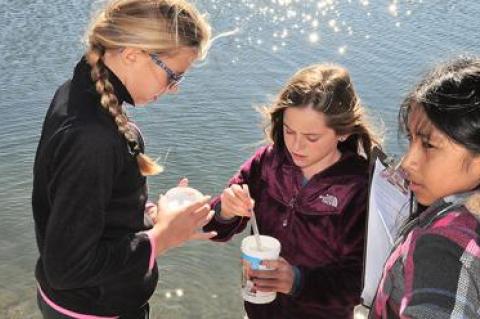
211	127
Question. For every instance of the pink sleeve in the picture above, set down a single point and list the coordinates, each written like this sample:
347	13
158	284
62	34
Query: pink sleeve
153	245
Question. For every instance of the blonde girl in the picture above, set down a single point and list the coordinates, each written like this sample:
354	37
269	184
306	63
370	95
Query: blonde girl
97	255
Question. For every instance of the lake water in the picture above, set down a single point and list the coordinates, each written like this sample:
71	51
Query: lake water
211	127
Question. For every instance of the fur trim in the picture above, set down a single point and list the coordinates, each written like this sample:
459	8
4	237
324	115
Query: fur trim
473	204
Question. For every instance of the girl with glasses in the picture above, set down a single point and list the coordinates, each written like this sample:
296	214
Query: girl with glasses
97	255
434	270
308	189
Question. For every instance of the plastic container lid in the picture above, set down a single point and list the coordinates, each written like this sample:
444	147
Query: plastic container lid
182	196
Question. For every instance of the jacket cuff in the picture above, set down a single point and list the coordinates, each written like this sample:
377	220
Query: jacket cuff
297	281
153	246
149	205
218	216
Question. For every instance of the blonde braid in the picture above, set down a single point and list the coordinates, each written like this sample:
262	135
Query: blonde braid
109	102
154	26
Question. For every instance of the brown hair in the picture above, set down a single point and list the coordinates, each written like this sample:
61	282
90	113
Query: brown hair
155	26
328	89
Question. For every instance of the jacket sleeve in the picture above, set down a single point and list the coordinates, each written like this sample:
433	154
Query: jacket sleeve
339	283
249	173
444	279
82	167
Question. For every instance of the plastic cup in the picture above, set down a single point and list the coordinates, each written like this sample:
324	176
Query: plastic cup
181	197
252	258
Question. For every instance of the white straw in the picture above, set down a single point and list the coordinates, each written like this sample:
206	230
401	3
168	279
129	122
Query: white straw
253	219
256	233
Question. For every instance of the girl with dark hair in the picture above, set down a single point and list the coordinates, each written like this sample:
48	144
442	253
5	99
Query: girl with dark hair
97	255
309	189
434	270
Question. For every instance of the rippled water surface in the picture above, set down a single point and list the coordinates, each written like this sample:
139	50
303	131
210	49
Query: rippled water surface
211	127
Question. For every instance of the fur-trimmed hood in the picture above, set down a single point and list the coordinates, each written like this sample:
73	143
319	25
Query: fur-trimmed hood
473	204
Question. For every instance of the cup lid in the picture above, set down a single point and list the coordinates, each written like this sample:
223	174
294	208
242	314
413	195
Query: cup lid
182	196
270	247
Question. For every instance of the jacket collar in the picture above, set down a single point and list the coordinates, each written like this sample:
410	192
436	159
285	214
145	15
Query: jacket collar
472	203
325	192
85	98
470	200
348	164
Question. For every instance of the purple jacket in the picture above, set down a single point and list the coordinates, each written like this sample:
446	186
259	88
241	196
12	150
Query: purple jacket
321	226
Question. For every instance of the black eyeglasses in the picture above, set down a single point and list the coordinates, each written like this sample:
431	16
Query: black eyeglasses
174	79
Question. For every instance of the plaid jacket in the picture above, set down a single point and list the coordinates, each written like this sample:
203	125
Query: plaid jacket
434	271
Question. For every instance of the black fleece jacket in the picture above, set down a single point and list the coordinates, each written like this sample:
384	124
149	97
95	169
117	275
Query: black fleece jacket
88	204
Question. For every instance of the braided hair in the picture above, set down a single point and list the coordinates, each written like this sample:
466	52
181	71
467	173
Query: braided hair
155	26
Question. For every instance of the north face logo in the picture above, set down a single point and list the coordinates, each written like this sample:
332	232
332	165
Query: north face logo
329	200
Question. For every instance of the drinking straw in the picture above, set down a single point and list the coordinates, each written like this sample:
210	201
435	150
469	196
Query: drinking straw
253	220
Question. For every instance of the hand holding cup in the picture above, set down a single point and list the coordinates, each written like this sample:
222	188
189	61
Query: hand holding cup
182	212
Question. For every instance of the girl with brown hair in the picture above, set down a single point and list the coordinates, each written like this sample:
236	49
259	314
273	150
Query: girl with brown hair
308	189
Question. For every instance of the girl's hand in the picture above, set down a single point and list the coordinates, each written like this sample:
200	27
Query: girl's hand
183	182
236	201
176	226
279	279
152	211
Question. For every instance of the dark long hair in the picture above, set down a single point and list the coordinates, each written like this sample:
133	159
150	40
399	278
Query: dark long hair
449	98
